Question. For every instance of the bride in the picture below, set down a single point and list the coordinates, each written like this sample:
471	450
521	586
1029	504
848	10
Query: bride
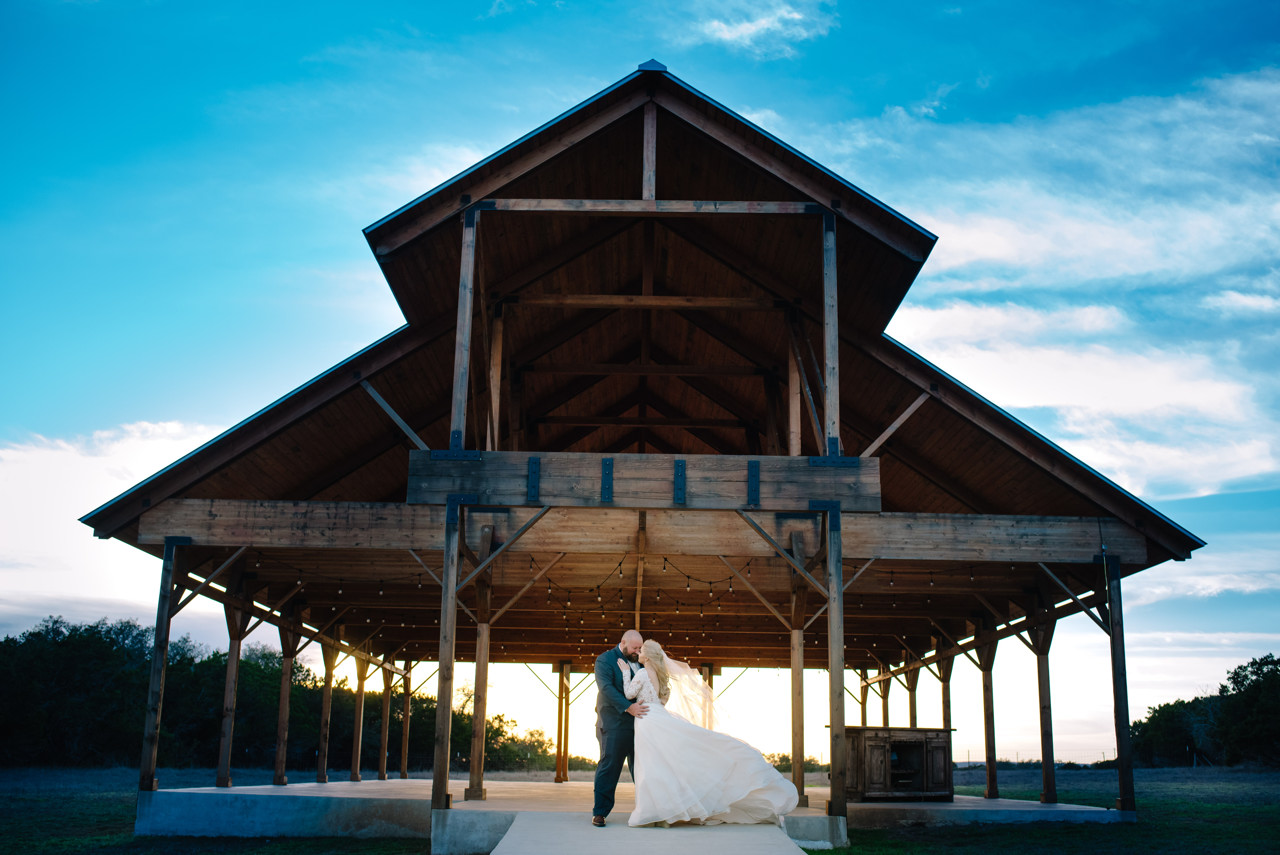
686	772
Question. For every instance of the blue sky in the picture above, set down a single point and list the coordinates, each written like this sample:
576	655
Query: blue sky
185	186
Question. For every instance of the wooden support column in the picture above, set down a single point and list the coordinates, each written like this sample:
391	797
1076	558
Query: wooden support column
799	596
945	667
357	730
838	804
405	714
793	404
384	743
649	158
863	690
562	721
452	543
1119	685
885	686
444	681
495	379
330	654
289	641
830	338
479	699
987	661
237	628
642	547
1041	637
913	679
173	554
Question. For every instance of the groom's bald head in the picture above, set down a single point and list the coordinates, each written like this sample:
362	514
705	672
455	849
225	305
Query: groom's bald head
630	644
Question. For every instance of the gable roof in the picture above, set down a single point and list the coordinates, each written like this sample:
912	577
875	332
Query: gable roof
597	377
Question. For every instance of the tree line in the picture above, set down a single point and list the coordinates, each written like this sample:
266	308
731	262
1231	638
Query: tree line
75	695
1241	723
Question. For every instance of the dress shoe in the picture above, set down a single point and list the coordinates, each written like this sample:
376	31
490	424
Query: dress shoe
597	821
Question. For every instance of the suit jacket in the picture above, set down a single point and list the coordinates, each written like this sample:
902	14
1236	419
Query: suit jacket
611	703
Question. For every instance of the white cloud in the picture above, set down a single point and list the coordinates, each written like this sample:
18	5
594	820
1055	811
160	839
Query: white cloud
1250	564
766	29
46	485
1232	303
1176	187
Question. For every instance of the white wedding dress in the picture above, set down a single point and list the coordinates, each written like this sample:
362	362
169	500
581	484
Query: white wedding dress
687	773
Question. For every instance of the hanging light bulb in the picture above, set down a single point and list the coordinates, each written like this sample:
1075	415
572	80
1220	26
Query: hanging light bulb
379	587
419	580
730	586
339	587
597	595
686	583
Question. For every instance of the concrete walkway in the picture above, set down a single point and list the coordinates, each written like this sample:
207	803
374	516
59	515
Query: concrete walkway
539	833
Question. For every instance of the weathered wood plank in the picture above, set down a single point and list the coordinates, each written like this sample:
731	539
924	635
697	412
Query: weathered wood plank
647	207
604	530
672	302
711	482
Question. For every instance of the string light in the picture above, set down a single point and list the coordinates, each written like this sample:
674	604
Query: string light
379	587
419	580
339	587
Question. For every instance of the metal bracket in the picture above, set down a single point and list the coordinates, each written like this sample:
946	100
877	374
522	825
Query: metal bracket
606	479
453	500
753	482
836	460
833	446
454	454
829	505
678	483
534	479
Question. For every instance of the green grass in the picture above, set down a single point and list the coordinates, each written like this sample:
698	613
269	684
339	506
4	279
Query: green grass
1200	811
71	811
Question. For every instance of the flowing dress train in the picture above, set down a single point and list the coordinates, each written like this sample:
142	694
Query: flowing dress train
687	773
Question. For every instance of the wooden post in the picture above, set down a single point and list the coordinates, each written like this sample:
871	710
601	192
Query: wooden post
495	379
830	336
838	804
913	679
945	667
1041	638
330	654
384	738
289	650
799	594
642	547
237	624
173	553
405	715
885	686
452	545
987	661
1119	685
864	691
479	700
793	404
649	176
562	722
357	736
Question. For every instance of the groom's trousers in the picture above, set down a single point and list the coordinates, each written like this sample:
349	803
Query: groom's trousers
616	744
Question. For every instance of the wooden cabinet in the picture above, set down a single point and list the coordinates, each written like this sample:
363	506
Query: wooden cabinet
901	763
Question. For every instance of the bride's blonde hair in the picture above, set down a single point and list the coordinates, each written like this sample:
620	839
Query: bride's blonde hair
656	662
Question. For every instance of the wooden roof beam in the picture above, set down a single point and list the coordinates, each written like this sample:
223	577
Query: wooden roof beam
429	211
908	240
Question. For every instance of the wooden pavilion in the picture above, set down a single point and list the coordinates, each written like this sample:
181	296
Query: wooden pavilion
644	382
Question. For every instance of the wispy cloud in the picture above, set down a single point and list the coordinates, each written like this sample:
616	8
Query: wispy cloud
46	485
765	29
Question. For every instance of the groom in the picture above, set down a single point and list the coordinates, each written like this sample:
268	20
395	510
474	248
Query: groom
615	722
